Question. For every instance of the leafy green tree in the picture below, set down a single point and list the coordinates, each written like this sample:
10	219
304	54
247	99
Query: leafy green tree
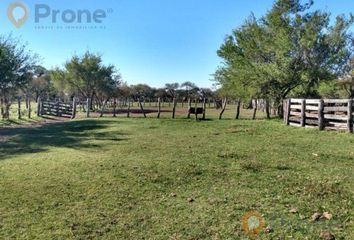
16	68
142	91
41	84
346	81
88	77
289	48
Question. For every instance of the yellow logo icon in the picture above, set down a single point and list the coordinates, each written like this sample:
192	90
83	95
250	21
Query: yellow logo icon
253	223
18	14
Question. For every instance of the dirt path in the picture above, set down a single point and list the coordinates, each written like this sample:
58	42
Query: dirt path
6	132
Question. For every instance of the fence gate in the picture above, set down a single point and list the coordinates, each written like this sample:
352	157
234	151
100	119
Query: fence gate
326	114
57	109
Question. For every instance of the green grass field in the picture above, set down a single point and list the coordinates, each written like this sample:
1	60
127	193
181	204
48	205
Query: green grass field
173	179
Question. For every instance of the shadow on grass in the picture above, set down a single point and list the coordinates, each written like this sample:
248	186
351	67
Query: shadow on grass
74	135
17	122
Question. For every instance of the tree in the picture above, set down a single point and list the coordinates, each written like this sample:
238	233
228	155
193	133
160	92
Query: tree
191	89
171	89
346	81
142	91
88	77
289	49
16	66
41	84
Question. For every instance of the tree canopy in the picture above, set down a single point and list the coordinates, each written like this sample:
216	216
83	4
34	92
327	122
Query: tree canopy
88	77
17	66
289	50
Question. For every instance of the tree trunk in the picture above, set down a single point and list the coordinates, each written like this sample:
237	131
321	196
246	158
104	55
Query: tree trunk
27	102
19	108
6	114
103	108
255	108
189	107
88	107
267	108
238	108
115	108
29	108
142	108
2	108
159	107
204	108
174	108
223	108
128	110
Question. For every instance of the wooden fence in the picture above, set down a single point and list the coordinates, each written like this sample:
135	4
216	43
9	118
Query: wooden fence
324	114
57	109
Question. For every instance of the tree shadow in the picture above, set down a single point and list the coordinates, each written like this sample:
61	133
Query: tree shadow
84	134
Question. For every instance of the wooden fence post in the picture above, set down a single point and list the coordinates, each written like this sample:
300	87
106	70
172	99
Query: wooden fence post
115	107
174	108
189	107
142	108
287	113
350	116
196	112
303	112
73	116
255	108
103	108
57	108
19	107
159	107
39	108
321	121
267	106
88	103
29	107
128	110
204	108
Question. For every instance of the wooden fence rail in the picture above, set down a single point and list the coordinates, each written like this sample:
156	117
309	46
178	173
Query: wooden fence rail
324	114
57	109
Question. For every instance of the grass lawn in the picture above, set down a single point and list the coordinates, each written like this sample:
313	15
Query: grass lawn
174	179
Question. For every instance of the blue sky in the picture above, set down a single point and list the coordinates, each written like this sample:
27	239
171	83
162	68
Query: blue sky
150	41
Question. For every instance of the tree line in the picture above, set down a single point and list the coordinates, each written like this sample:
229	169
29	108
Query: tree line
82	76
291	51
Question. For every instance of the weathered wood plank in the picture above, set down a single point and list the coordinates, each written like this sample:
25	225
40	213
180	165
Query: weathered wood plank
295	100
336	128
294	124
336	109
312	115
335	101
295	119
336	117
311	126
312	108
312	101
297	107
337	124
297	114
